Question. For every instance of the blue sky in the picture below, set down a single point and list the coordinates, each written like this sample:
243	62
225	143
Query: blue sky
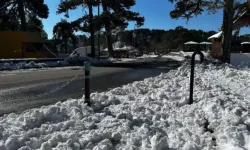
156	15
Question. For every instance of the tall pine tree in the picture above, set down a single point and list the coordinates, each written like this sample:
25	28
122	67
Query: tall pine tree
63	30
17	14
84	23
117	13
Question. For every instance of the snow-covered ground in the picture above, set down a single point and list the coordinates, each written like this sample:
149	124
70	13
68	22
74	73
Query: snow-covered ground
66	62
150	114
32	64
148	56
178	56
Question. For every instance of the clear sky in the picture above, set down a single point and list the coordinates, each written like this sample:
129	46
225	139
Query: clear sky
156	13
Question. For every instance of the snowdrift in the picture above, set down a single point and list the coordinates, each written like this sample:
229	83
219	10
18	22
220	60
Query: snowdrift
149	114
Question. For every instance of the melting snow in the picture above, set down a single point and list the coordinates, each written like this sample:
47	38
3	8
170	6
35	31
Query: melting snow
149	114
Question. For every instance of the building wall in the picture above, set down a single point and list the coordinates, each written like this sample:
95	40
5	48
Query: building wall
216	50
11	44
240	59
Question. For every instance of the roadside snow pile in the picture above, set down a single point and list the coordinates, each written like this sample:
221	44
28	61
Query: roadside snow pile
121	59
177	56
189	54
66	62
148	56
149	114
32	64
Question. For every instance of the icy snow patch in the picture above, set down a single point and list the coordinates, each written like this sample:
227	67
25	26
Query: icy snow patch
149	114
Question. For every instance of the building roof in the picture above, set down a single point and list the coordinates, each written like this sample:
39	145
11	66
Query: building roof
205	43
191	43
245	43
217	35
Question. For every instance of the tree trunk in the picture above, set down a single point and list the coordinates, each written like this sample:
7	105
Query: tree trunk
108	30
92	30
22	15
227	30
66	42
109	41
99	48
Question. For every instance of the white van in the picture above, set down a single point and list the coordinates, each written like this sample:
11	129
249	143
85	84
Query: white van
81	52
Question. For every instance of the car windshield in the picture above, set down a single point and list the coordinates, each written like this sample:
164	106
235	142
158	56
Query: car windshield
124	75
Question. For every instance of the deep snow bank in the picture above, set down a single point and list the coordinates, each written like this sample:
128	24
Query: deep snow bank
149	114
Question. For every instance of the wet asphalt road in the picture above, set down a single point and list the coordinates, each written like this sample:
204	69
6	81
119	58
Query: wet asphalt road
29	89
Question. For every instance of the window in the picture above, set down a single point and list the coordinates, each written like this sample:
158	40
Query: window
38	47
28	47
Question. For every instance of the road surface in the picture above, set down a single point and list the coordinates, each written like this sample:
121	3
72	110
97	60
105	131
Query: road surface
29	89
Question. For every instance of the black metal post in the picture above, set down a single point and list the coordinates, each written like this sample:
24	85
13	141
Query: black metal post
192	73
87	82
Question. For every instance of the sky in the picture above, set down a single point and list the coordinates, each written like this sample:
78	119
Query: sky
156	15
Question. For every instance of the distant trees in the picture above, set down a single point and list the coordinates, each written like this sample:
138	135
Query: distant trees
162	41
22	15
245	37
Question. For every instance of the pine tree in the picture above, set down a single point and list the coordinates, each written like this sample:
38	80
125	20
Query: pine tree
63	30
16	14
84	23
117	13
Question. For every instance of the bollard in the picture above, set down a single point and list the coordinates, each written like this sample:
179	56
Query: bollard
87	82
192	73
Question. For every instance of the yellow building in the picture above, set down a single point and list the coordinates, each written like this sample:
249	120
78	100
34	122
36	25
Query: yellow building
24	45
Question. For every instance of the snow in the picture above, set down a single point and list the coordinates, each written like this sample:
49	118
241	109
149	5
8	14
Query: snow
177	56
148	56
66	62
181	56
119	46
148	114
240	59
217	35
32	64
69	61
122	59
